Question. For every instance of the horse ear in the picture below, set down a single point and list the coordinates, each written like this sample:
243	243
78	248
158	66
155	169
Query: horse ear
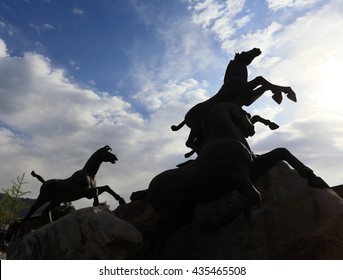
108	148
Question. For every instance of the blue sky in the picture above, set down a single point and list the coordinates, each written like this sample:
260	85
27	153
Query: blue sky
77	75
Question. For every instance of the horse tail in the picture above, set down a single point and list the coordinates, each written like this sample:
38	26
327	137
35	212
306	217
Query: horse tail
40	178
177	127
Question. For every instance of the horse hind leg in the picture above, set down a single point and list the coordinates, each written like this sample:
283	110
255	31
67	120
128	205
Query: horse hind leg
266	161
38	203
250	197
304	171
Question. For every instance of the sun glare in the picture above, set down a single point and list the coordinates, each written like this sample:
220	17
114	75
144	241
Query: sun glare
331	93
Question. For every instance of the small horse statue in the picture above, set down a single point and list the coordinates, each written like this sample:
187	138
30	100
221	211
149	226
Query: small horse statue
236	89
221	167
81	184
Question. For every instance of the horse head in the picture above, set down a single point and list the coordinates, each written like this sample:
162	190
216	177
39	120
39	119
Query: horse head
248	56
107	156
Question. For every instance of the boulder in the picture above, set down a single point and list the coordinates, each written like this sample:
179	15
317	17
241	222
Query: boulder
293	221
93	233
139	213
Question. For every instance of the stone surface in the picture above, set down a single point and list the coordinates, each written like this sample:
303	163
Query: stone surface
294	221
90	233
338	190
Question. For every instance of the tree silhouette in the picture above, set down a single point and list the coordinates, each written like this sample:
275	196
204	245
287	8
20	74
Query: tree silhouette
11	204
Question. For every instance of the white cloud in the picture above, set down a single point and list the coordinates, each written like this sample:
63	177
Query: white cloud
185	51
78	11
220	17
3	49
174	93
42	27
280	4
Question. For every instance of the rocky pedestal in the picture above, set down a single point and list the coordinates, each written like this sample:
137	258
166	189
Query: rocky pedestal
293	221
90	233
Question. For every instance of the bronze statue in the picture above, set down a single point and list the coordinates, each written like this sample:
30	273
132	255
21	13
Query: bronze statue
225	163
236	89
221	167
81	184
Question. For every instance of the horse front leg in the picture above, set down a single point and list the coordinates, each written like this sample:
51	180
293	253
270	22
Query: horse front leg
52	205
262	163
264	85
107	189
269	123
95	196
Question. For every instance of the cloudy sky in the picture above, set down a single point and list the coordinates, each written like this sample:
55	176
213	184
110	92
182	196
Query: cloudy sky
78	75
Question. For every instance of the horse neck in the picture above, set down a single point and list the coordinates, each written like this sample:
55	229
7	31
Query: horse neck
223	126
236	69
92	165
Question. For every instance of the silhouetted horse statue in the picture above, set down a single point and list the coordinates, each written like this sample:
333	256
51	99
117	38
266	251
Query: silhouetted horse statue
221	167
81	184
247	92
236	89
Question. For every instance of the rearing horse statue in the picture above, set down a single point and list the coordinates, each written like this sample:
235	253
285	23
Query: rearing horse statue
81	184
236	89
248	91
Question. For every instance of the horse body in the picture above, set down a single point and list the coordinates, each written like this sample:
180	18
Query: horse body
66	190
81	184
216	167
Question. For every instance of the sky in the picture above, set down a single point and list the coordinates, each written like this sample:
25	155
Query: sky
78	75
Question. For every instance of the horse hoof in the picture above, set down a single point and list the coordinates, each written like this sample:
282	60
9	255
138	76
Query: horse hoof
273	126
291	96
277	98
